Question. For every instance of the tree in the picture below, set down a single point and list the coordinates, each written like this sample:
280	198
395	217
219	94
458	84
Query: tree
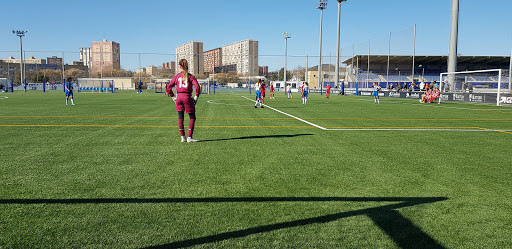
74	73
17	77
52	75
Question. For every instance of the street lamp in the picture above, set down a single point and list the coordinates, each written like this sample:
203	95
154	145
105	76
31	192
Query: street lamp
322	4
20	34
338	45
285	36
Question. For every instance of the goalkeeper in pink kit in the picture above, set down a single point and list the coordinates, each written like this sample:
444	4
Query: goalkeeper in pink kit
184	100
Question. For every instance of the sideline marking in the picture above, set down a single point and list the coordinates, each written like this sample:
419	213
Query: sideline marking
289	115
157	126
4	97
452	129
355	119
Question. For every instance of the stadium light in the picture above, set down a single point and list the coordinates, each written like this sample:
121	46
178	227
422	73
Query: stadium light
338	45
20	34
322	4
285	36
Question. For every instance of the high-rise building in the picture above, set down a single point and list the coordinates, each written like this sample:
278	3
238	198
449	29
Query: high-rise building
54	60
105	55
193	53
244	54
151	70
212	59
263	70
85	56
171	66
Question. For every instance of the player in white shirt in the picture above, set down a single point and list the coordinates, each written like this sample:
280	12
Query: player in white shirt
289	91
257	87
305	91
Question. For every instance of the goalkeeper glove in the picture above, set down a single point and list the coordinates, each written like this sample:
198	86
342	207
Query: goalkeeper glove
195	99
173	99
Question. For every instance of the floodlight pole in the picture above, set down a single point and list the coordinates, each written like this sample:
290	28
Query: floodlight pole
338	45
306	75
20	34
322	4
389	55
452	57
285	36
413	53
510	73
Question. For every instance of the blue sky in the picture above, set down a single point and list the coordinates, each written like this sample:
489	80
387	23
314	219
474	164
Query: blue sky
159	26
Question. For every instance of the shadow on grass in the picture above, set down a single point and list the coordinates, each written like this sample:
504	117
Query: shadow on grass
256	137
400	229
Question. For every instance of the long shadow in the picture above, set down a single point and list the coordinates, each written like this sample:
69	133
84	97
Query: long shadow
403	232
256	137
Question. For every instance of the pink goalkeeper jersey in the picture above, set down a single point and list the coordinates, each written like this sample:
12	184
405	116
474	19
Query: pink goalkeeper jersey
183	86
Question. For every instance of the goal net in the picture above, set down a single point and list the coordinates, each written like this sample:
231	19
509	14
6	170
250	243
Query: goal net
480	86
95	86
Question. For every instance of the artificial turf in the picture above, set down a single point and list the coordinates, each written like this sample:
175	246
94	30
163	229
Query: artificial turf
111	172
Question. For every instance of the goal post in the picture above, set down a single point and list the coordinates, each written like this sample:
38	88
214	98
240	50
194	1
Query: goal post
482	86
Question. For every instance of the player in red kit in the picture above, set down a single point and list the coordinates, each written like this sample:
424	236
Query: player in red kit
328	91
272	91
184	101
262	91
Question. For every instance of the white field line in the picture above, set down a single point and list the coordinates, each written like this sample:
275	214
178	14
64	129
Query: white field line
377	129
289	115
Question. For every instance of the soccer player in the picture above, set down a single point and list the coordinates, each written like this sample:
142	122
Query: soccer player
272	91
289	91
376	90
257	87
69	90
140	87
305	91
263	91
184	101
328	91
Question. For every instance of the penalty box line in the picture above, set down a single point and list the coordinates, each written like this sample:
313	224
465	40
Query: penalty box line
379	129
289	115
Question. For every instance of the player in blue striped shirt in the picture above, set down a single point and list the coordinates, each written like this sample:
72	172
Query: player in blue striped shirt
69	90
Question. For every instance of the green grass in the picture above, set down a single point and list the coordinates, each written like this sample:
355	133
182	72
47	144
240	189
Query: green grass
258	179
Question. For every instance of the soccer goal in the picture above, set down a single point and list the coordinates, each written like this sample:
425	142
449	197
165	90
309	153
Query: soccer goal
160	86
480	86
95	86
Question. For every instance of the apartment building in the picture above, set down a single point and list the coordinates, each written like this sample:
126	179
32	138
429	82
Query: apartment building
243	54
171	66
85	56
105	55
193	53
212	59
54	60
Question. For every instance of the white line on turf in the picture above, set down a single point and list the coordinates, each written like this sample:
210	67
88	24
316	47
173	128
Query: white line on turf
374	129
289	115
4	97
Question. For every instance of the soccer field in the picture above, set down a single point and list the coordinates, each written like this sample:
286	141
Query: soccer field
111	172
